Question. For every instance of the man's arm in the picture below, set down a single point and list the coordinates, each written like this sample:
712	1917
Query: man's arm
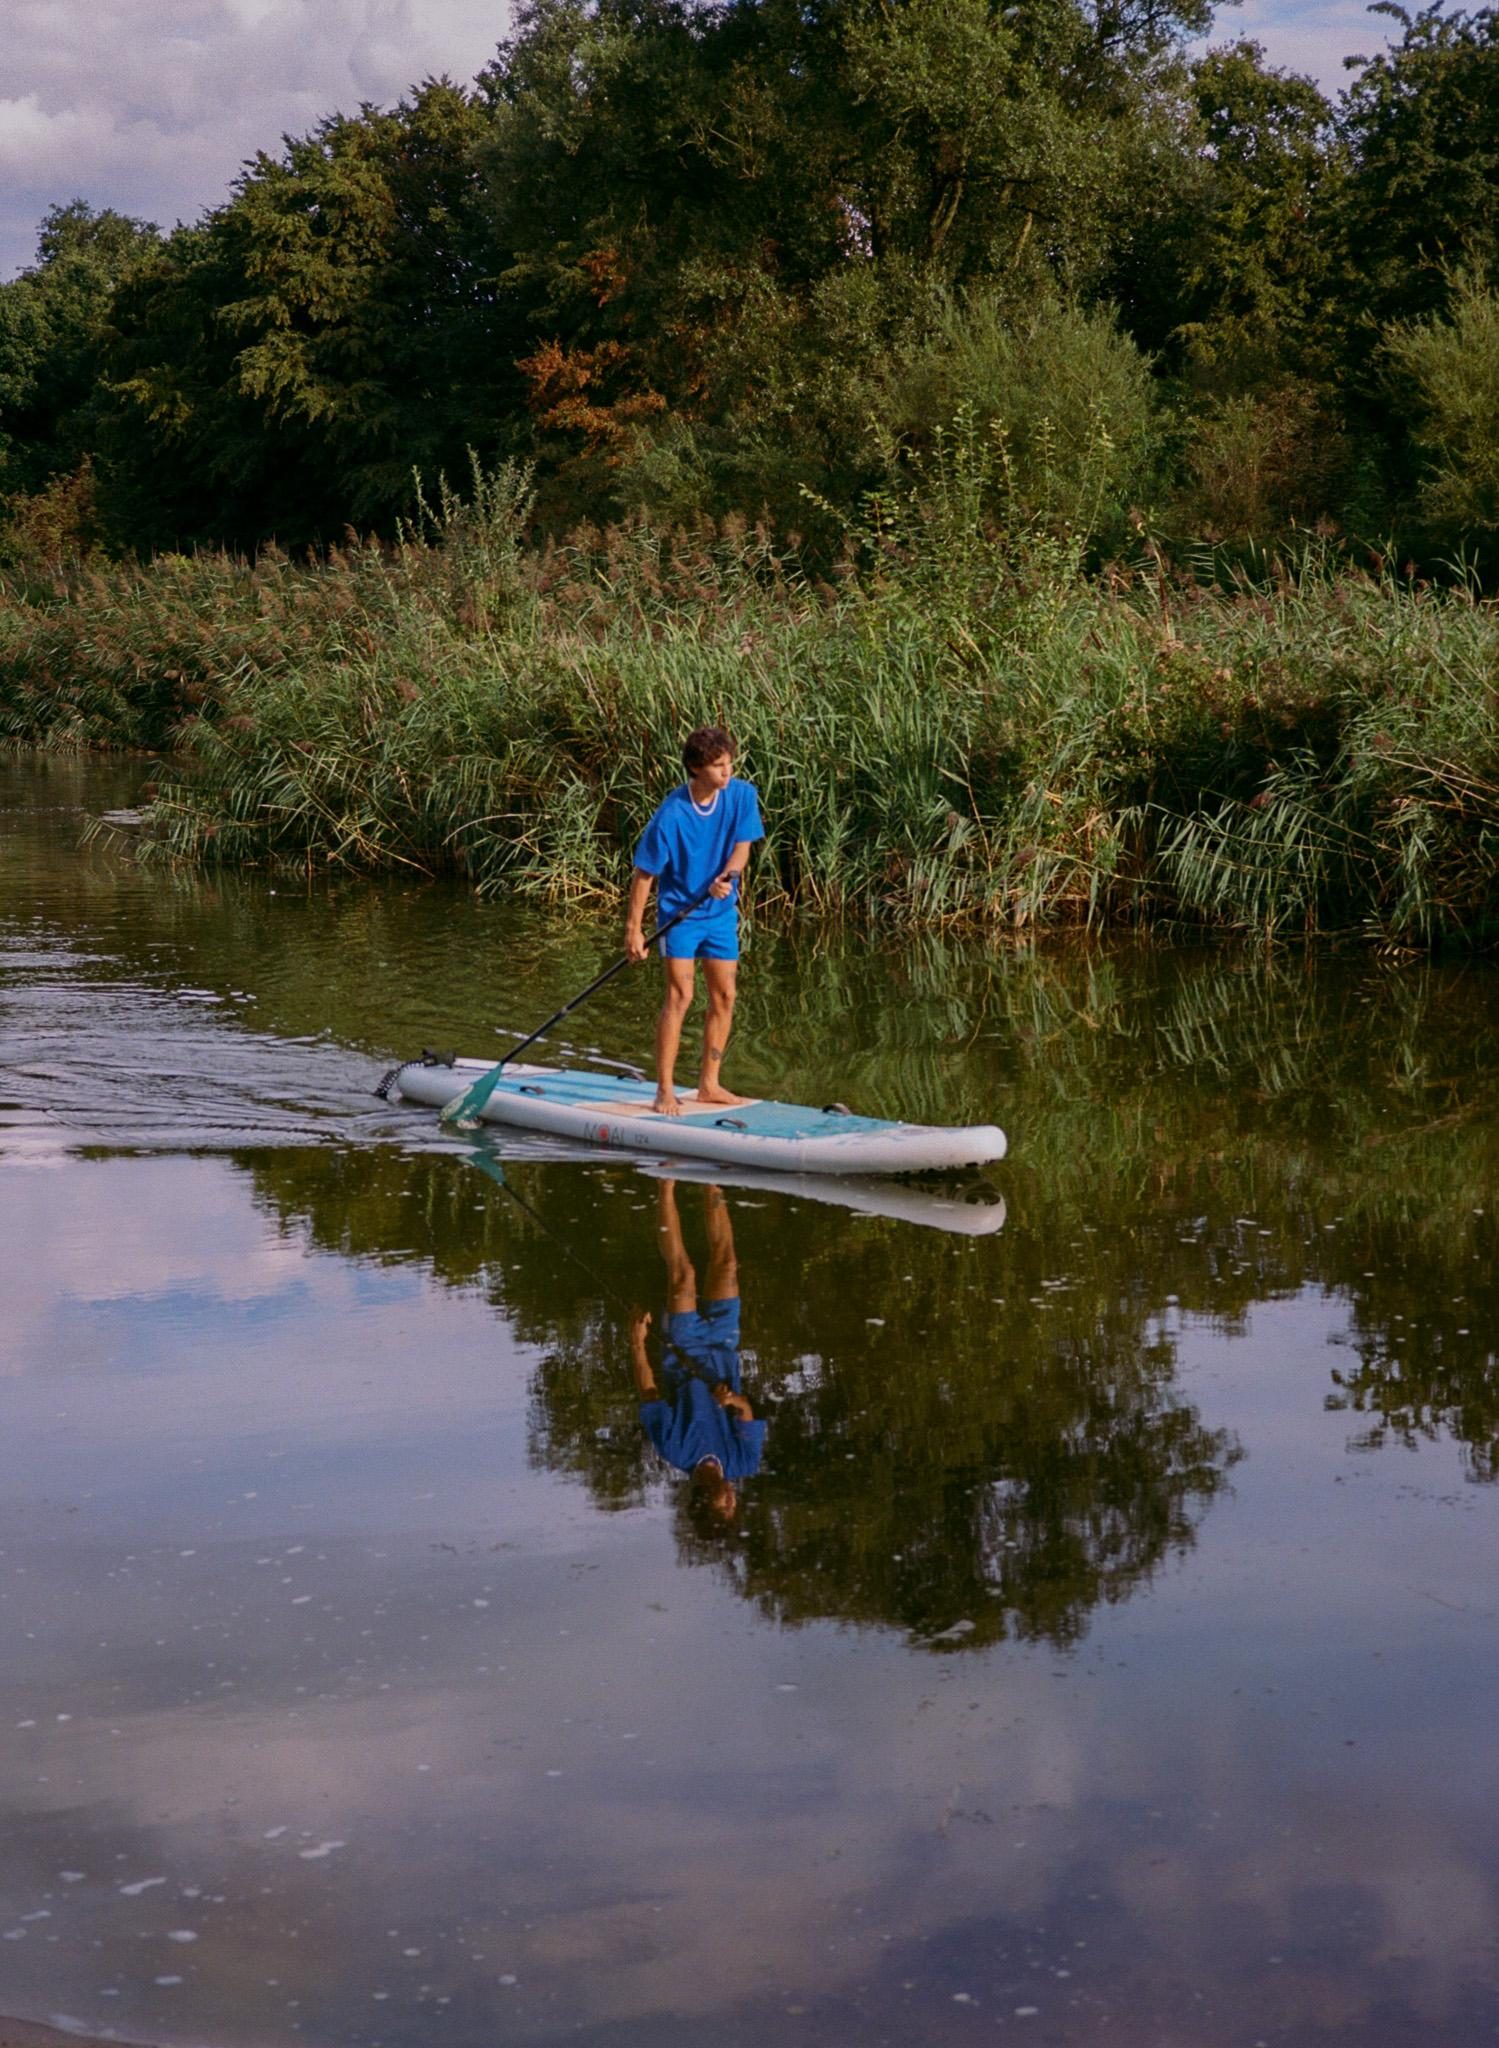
639	896
640	1364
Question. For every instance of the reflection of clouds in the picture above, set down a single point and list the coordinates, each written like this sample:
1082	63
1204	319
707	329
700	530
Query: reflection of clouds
1325	1903
293	1583
360	1761
122	1257
662	1874
751	1842
33	1151
193	1224
79	1241
1435	1906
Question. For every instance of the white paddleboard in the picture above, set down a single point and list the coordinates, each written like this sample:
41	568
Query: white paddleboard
617	1114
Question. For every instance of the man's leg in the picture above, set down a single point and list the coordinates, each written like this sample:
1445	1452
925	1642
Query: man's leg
681	1279
722	977
722	1283
676	1001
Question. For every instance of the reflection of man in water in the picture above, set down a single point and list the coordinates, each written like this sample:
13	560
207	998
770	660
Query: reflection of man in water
697	1417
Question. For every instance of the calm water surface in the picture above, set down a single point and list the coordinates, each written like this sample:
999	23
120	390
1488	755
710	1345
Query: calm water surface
1106	1649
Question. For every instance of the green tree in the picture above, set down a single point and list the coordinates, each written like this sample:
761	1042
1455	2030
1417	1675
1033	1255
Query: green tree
1254	267
333	327
1232	278
657	180
716	259
53	325
728	225
1421	123
1420	207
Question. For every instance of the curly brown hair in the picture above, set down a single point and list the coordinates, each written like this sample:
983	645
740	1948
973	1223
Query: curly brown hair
707	743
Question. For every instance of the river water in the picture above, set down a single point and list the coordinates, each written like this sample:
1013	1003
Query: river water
1106	1648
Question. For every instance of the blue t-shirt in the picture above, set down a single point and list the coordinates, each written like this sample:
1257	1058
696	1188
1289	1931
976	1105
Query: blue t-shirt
686	848
694	1427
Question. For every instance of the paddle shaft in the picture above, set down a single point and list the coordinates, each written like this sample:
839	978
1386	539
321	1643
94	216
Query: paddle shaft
475	1097
609	973
498	1175
496	1172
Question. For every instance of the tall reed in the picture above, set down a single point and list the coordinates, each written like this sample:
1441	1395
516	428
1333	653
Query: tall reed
955	725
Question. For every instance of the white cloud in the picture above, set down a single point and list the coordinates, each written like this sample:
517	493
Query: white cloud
152	106
1313	39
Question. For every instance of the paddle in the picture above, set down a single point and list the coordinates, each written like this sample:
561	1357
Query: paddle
463	1111
488	1164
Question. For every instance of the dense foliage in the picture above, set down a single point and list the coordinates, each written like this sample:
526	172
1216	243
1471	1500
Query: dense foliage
959	726
708	259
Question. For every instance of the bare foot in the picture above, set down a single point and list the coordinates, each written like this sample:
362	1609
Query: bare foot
667	1103
721	1098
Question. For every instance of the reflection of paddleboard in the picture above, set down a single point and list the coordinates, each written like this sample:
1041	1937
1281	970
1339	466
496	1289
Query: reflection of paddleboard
980	1217
976	1213
775	1137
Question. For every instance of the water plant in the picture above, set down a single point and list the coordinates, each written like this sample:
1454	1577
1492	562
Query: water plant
961	721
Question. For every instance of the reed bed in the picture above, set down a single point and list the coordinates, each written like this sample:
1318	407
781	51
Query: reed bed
948	728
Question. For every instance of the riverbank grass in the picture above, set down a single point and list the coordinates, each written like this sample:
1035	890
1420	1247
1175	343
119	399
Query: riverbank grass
944	731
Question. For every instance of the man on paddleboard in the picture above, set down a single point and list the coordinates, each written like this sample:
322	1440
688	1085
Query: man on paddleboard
698	841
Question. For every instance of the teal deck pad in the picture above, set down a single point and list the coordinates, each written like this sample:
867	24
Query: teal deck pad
572	1085
787	1120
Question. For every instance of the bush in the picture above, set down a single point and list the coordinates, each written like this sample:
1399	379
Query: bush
1449	370
1071	396
1256	468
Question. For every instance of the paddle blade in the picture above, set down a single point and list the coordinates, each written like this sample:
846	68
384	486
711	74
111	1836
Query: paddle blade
464	1111
488	1164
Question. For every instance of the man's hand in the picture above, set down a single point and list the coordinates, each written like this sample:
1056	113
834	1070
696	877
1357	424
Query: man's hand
738	862
734	1403
635	946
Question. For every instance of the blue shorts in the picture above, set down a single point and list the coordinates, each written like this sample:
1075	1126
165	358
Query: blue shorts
708	1337
713	938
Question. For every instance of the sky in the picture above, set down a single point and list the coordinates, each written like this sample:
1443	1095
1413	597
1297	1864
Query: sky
151	106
